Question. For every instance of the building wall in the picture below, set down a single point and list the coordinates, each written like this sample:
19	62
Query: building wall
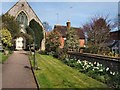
81	42
115	35
62	42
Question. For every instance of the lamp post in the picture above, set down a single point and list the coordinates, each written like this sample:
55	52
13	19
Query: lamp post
34	51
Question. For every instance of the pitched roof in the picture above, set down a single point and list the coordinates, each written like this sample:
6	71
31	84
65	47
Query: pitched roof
63	29
17	8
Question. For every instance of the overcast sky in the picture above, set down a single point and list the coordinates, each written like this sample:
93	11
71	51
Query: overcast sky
77	12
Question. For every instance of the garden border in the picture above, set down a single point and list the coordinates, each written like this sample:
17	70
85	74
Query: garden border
111	62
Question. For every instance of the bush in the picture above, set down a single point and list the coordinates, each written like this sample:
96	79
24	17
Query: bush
51	53
10	52
86	50
42	52
71	62
6	38
91	49
52	41
115	80
61	53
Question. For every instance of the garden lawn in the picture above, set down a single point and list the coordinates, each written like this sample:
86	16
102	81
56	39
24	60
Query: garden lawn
55	74
3	57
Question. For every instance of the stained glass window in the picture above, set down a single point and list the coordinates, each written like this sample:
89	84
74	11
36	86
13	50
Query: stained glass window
22	18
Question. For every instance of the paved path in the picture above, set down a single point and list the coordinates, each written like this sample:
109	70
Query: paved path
16	73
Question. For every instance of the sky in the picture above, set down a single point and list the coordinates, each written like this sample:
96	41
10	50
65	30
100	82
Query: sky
78	13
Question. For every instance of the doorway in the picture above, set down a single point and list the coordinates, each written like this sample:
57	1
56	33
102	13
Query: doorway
20	43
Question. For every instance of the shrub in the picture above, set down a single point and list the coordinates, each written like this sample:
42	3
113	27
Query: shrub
52	53
72	41
6	38
61	54
52	41
42	52
71	63
91	49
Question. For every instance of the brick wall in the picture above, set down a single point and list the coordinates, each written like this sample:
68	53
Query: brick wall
62	42
81	41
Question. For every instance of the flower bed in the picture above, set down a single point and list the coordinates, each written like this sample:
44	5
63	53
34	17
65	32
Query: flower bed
96	71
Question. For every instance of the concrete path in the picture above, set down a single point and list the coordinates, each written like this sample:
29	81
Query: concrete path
17	73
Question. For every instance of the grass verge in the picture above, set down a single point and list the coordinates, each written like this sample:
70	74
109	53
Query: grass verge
55	74
3	57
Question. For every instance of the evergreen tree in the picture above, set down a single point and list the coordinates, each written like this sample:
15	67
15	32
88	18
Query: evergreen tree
72	41
38	31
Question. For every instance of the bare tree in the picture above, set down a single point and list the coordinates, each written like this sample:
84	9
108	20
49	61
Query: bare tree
97	32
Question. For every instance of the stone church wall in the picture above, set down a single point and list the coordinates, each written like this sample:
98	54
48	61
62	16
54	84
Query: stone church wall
22	5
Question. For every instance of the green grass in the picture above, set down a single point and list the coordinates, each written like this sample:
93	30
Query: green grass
3	57
55	74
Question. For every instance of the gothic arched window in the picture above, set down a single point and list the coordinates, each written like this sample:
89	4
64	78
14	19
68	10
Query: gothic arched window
22	18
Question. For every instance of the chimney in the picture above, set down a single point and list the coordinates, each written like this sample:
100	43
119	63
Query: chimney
68	24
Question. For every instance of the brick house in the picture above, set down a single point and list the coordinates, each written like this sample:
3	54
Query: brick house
63	30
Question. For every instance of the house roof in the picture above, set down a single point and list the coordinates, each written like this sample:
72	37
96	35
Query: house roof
63	29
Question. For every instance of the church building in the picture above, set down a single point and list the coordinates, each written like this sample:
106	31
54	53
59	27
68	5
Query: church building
23	13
